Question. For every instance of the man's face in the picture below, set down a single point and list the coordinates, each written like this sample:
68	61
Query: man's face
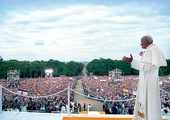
144	43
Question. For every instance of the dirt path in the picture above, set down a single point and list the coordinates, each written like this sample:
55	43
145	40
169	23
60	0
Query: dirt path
96	105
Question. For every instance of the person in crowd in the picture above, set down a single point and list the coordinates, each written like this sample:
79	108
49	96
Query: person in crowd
79	107
131	110
165	108
148	103
114	109
84	106
166	113
17	105
63	109
89	106
107	109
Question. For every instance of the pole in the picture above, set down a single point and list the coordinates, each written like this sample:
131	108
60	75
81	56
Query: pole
68	100
0	97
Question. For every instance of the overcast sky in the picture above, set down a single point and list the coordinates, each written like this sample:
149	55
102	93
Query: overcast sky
81	30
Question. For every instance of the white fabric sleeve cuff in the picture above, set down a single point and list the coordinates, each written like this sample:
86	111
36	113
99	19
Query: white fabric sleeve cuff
136	64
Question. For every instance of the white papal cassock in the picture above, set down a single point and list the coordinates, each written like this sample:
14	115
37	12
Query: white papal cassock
148	103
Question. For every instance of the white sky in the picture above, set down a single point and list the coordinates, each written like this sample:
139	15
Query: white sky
81	31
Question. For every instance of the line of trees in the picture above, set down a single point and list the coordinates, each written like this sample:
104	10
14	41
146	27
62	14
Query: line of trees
103	66
37	68
100	67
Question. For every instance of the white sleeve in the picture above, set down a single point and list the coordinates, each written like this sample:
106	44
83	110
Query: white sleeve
136	64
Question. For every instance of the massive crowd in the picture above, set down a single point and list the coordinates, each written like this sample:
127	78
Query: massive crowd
113	94
120	94
42	95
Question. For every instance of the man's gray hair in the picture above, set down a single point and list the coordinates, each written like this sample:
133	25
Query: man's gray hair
148	37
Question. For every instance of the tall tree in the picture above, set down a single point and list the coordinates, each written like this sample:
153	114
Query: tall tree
73	68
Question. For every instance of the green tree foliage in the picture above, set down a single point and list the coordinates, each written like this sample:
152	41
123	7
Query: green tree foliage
25	67
168	66
102	66
37	68
124	66
165	70
57	66
73	68
1	59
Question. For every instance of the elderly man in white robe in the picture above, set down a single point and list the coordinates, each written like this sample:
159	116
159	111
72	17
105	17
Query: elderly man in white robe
148	102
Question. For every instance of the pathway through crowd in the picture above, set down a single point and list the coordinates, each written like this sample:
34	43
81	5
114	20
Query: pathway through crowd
96	105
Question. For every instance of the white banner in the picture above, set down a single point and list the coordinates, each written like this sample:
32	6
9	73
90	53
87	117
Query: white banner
22	92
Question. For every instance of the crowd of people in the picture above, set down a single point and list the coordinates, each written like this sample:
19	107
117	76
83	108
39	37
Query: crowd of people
42	95
105	88
121	94
117	96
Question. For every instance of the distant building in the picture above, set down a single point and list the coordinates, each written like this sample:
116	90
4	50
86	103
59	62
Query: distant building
13	77
116	75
